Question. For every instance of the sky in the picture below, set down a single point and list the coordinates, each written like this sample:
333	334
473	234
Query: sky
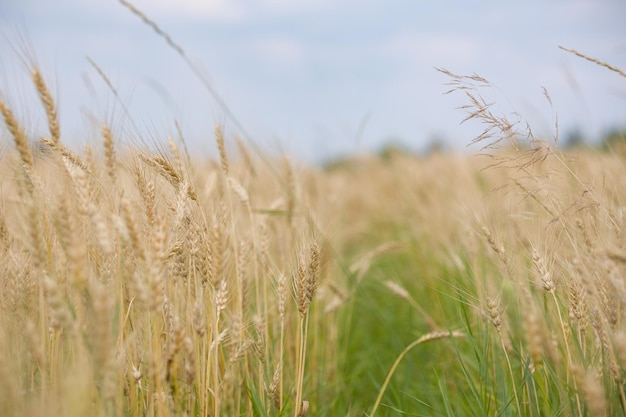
317	79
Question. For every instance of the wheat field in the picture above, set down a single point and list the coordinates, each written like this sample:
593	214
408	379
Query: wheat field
142	281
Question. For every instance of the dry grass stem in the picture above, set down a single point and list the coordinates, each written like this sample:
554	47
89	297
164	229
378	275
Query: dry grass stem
595	61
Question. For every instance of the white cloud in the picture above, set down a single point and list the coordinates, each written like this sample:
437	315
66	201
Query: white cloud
433	48
225	10
290	6
242	9
585	9
280	49
211	9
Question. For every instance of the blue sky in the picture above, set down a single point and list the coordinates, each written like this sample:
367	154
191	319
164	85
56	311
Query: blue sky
315	78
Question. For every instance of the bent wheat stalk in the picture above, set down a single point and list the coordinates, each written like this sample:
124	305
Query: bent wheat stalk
424	338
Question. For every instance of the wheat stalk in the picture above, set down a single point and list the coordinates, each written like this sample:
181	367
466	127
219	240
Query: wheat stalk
428	337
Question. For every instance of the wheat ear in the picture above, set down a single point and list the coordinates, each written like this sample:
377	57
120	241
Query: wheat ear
48	105
21	143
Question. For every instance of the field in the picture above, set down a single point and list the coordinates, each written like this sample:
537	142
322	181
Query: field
141	281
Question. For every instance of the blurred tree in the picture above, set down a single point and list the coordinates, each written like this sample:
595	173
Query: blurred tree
615	141
574	139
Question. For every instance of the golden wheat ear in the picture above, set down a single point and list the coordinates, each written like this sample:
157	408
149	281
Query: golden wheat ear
109	151
48	104
19	136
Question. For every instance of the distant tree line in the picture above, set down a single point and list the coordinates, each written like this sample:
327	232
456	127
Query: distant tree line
612	140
